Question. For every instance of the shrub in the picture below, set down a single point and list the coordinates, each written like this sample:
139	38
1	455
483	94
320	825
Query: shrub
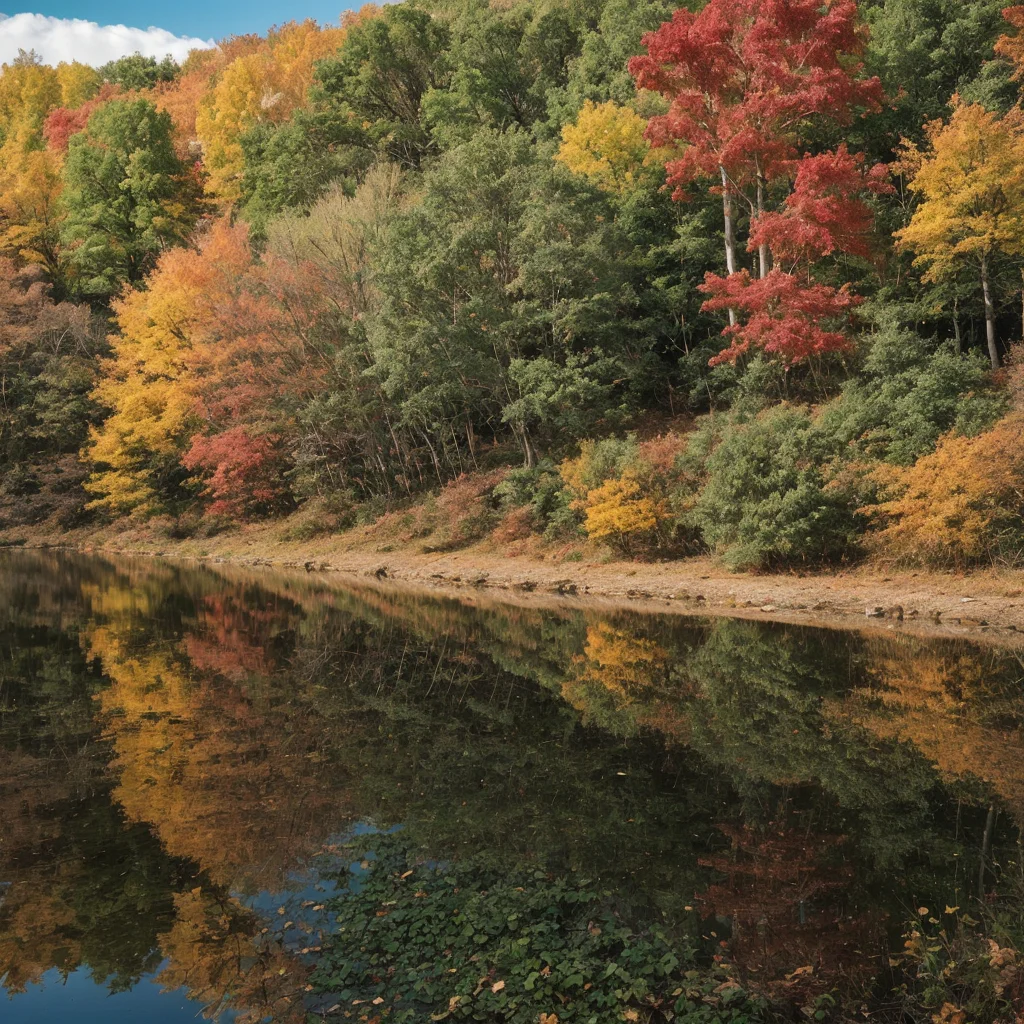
770	498
633	495
960	505
597	463
909	395
618	509
962	969
540	490
465	510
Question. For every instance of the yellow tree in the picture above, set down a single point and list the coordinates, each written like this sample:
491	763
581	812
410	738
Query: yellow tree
78	83
29	177
607	145
970	180
149	385
30	188
28	92
266	85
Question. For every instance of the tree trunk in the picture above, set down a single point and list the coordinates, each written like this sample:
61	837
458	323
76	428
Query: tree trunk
730	235
764	257
956	328
990	317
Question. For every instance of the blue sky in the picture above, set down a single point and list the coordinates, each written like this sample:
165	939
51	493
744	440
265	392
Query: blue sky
211	19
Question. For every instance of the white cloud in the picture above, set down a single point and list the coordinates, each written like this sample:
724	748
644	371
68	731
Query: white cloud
57	39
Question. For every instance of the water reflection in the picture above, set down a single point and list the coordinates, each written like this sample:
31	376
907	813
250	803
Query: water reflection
180	745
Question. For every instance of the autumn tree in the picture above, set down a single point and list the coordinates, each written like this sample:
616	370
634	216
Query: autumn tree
743	80
127	196
607	145
149	387
786	312
78	83
265	85
970	182
29	177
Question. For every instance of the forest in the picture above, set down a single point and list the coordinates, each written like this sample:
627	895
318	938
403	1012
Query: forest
742	277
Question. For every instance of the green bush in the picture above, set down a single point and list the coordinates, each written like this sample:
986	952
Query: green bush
541	489
908	396
769	499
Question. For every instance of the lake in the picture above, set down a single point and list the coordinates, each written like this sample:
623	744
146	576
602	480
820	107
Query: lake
200	764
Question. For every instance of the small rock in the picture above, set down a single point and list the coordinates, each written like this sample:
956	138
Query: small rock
895	612
966	600
935	616
768	608
381	572
563	587
526	585
874	613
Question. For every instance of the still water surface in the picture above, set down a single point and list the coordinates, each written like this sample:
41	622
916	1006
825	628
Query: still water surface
183	749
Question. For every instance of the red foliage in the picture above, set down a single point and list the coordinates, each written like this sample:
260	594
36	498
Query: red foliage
783	315
63	122
825	213
742	74
244	474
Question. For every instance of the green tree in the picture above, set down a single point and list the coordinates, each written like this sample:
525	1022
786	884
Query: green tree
925	51
127	195
509	303
289	166
136	72
380	76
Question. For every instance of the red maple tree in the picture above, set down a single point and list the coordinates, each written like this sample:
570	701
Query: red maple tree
742	77
63	122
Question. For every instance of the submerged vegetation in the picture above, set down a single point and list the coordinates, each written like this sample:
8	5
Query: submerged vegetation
740	277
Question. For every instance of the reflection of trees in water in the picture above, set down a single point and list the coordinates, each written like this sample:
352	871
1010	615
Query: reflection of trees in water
83	885
952	705
784	893
229	774
244	719
217	951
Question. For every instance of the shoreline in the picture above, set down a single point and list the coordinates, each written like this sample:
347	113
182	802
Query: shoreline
984	606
